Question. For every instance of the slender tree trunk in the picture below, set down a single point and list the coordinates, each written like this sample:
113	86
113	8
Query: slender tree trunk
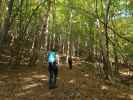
106	19
21	36
44	28
115	55
73	49
39	39
0	13
54	40
63	48
50	42
7	24
91	44
46	35
104	39
107	66
34	56
115	46
78	46
68	50
59	43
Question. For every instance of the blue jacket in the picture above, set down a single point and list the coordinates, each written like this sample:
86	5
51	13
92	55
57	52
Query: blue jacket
51	56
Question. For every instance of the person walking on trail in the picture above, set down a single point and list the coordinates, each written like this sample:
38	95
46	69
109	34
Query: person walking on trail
70	62
53	60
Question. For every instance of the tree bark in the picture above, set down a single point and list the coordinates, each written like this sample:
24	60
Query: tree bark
7	24
39	39
104	39
68	50
115	55
0	13
107	66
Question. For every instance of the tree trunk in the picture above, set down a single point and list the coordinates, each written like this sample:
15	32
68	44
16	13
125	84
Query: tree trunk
21	36
34	50
68	50
78	47
39	39
107	66
115	55
53	40
63	48
50	42
73	49
46	35
7	24
0	13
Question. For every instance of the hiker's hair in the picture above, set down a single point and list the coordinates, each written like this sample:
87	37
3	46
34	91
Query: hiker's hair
53	49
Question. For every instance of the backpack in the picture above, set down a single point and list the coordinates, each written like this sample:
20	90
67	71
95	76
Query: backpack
51	56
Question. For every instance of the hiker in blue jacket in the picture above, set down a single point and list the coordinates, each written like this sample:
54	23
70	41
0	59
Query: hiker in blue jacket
52	68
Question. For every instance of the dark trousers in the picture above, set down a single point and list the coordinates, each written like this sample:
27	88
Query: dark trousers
70	64
53	71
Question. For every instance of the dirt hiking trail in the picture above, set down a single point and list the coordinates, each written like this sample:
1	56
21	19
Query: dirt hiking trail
76	84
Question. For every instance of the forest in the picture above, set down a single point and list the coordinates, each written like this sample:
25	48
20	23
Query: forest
96	34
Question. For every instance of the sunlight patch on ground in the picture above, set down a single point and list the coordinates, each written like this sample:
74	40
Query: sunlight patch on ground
58	78
34	72
103	87
76	63
3	62
125	73
131	96
2	82
44	79
86	75
122	96
27	79
4	76
23	93
71	81
31	86
48	94
40	76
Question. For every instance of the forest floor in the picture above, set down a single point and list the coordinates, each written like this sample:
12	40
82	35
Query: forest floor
76	84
